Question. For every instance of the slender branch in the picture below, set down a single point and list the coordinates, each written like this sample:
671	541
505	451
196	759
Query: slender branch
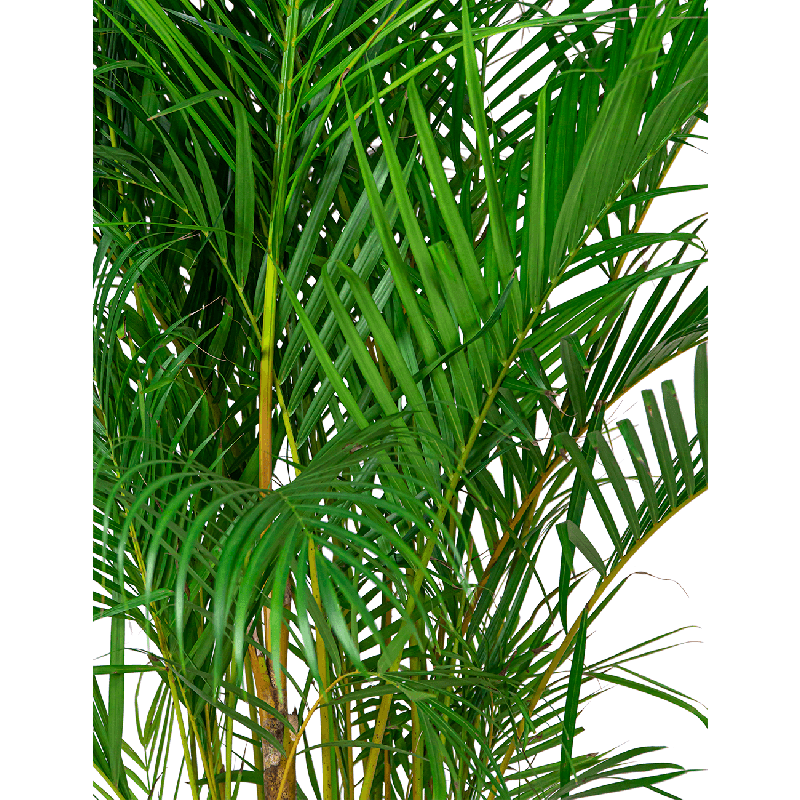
228	740
266	372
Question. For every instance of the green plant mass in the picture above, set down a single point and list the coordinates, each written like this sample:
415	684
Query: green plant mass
370	277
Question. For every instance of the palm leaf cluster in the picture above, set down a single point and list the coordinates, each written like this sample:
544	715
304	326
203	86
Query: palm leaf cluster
360	316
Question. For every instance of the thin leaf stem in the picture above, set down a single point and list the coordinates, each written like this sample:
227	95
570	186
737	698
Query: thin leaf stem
266	373
287	423
417	745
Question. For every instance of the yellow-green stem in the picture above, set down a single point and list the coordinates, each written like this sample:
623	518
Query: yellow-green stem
228	741
191	769
265	376
416	746
257	754
288	425
109	782
210	761
322	665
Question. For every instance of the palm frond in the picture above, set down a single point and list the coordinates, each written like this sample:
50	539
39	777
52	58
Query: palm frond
359	319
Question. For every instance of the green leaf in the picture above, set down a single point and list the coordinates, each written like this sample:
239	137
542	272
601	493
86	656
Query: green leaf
642	687
122	608
640	197
324	358
678	430
536	209
493	318
572	701
661	444
461	301
497	223
565	575
385	340
190	101
617	481
244	194
584	470
211	195
578	538
701	402
116	700
573	372
463	246
641	466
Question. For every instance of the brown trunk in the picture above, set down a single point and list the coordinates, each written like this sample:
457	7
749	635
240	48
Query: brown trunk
274	763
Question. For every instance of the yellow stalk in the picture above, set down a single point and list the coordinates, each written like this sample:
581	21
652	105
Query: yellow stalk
257	755
265	375
213	743
348	753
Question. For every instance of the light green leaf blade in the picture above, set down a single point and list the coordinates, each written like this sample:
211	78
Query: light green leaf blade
244	195
576	457
701	402
576	385
661	444
581	541
678	430
639	459
617	481
572	701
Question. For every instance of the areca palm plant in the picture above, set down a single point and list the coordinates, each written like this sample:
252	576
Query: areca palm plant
364	297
